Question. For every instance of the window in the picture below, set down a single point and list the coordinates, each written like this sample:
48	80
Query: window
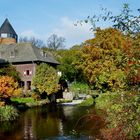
12	54
21	84
4	35
43	54
28	85
27	72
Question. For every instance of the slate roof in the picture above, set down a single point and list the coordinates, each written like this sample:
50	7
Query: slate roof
6	27
24	52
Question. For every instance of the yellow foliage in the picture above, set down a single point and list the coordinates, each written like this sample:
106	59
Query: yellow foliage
8	87
2	104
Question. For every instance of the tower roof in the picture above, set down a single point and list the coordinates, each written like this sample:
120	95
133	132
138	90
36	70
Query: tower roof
6	27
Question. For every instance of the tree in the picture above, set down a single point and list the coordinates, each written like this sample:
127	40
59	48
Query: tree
36	42
8	87
103	60
125	21
46	79
68	58
54	42
134	63
110	62
11	71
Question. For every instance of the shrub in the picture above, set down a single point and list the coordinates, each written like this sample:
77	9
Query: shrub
8	113
8	87
79	87
87	102
124	105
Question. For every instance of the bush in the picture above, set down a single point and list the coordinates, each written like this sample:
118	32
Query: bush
8	87
8	113
79	87
87	102
124	105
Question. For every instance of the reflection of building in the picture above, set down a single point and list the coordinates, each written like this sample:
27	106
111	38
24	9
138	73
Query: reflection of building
28	130
24	56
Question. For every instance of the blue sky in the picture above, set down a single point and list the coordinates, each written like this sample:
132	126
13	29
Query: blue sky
41	18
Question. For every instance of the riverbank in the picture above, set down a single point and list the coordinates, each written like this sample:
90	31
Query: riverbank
28	102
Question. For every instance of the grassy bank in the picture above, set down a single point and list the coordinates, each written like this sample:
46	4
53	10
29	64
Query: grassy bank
29	101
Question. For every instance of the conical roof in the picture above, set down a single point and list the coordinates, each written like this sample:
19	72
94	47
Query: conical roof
6	27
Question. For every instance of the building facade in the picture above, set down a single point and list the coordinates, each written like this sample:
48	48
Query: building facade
24	56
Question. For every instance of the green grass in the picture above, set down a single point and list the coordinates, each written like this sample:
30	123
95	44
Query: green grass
29	101
87	102
23	100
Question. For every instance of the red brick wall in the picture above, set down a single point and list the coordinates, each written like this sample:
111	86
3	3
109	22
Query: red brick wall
27	71
7	40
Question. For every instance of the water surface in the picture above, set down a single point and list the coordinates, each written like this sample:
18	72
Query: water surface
52	122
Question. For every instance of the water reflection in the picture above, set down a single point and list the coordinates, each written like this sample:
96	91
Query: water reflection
47	122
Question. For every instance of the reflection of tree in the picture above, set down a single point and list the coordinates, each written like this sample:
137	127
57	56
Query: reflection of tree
8	130
43	122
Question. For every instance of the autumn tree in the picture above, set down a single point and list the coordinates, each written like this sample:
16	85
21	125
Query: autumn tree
8	87
103	60
46	79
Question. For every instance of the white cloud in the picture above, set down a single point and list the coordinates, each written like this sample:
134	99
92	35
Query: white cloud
30	33
65	28
73	34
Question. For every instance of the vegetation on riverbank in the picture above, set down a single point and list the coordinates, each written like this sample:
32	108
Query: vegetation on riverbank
29	101
8	113
109	64
87	102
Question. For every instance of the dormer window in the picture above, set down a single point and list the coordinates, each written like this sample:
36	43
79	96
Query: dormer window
43	53
12	54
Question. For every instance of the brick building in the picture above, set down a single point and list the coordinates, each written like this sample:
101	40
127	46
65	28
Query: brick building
24	56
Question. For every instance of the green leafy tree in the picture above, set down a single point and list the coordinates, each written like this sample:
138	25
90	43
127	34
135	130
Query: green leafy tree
46	79
10	71
67	58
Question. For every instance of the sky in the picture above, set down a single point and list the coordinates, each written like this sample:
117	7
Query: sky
42	18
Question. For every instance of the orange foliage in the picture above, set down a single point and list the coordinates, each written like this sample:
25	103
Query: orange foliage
8	87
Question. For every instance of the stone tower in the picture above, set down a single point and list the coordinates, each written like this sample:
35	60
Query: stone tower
7	33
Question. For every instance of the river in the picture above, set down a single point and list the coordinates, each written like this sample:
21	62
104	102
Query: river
51	122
